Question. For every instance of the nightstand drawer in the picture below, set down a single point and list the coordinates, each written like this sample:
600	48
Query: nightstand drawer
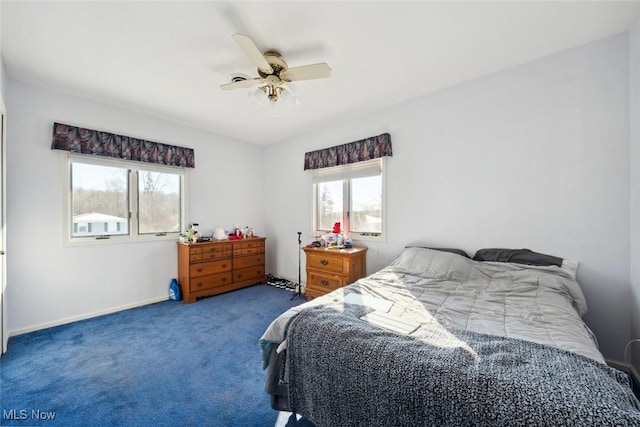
325	282
325	262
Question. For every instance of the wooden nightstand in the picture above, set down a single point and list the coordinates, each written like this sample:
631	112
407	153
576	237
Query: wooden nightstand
330	269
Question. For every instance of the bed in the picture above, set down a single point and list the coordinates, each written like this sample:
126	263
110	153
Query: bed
438	338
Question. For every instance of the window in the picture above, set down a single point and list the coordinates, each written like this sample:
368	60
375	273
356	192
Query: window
116	199
158	202
352	195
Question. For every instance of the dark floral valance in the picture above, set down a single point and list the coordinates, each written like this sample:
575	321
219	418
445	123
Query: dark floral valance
352	152
97	143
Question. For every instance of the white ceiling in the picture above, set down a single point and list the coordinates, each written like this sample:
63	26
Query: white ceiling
169	58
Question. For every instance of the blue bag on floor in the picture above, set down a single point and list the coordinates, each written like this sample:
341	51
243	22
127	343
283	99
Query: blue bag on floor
174	291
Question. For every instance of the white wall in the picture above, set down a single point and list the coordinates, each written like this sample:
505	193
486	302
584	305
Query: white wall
50	284
634	195
3	74
535	156
3	77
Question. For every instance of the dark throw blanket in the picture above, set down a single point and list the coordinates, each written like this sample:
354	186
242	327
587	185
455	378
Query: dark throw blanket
342	371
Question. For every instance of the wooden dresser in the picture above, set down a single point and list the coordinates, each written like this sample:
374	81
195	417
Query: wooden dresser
330	269
211	268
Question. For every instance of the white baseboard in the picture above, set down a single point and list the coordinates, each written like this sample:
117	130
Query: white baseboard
85	316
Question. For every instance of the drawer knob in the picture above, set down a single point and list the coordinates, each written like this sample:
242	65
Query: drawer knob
324	262
224	265
199	270
324	282
224	279
199	284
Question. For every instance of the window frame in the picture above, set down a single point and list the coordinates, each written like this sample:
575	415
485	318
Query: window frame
133	167
346	173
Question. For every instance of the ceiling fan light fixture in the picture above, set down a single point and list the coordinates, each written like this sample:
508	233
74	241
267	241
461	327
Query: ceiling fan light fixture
274	99
272	94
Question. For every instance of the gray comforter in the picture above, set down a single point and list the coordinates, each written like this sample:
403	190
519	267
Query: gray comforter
344	372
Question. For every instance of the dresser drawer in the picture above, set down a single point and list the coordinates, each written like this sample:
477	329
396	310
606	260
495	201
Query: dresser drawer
195	254
216	252
207	282
248	248
324	282
207	252
248	261
256	272
325	263
245	251
205	268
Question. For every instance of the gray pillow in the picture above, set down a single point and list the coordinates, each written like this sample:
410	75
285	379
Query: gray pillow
518	256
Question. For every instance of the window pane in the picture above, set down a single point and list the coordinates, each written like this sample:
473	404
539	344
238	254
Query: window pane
99	198
329	204
366	205
159	202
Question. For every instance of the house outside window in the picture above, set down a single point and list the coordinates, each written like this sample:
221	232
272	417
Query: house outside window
84	224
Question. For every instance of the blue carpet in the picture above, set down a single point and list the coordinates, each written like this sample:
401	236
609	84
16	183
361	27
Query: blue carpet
165	364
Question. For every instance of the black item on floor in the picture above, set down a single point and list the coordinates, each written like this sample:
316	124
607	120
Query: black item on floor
299	288
289	285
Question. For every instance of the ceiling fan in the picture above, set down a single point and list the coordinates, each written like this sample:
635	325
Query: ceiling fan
273	71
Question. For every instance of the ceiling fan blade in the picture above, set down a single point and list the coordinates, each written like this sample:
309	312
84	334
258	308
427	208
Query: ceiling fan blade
307	72
253	52
240	84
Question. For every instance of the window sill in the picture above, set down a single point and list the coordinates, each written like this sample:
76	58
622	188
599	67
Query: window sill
118	240
370	237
